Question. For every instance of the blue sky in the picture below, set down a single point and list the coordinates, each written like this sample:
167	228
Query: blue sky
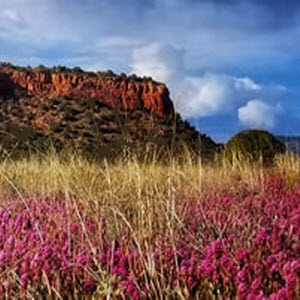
230	65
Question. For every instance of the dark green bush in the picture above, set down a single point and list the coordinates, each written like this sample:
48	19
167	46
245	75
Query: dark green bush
123	76
110	73
253	146
6	64
133	77
77	70
60	69
20	142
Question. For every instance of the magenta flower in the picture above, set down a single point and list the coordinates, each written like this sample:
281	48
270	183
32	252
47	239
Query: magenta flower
239	247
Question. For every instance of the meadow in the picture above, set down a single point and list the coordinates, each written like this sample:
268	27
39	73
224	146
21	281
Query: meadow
73	228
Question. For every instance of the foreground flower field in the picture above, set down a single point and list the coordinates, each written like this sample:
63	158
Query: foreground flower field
243	245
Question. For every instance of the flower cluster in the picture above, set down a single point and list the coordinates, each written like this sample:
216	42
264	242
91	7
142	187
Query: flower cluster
229	246
42	249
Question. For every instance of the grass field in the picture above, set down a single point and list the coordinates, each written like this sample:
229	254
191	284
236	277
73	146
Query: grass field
132	229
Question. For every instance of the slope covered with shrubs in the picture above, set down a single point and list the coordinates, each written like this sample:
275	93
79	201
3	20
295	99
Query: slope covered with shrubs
98	114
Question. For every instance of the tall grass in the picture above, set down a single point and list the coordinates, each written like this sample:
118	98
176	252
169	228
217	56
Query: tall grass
134	188
150	200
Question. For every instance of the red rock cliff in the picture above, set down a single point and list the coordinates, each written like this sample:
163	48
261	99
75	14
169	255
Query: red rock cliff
111	90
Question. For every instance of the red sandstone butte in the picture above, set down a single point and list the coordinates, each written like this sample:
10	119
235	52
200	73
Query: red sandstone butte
112	91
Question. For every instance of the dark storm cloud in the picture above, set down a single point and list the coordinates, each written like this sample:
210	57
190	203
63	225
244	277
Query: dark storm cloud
254	39
287	7
216	34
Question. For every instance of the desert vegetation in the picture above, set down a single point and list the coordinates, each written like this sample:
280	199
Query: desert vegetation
107	193
253	145
72	227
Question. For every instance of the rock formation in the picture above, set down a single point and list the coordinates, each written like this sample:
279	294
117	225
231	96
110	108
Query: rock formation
92	111
111	90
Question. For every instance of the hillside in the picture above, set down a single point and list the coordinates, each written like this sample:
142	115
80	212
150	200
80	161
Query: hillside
93	112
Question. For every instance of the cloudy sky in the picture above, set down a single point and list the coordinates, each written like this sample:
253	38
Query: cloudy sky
229	64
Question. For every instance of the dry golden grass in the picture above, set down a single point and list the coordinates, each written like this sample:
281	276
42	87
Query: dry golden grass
140	194
130	180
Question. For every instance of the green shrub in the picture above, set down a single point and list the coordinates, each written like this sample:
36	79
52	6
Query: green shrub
253	146
123	76
110	73
77	70
6	64
20	142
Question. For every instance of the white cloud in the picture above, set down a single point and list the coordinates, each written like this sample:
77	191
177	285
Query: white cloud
258	114
195	96
11	15
158	60
213	94
246	84
11	22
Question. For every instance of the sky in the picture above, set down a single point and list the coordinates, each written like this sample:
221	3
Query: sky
230	65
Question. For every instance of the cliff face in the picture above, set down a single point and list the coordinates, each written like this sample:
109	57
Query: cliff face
113	91
91	111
